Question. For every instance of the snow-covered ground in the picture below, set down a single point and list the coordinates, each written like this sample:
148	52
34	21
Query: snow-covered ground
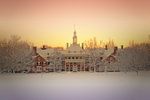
75	86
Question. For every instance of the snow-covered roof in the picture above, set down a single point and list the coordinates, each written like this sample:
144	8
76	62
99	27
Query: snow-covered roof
45	52
108	53
74	49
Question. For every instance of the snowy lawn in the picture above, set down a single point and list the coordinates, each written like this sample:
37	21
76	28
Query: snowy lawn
75	86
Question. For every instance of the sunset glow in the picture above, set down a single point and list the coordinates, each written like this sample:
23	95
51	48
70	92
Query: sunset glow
51	21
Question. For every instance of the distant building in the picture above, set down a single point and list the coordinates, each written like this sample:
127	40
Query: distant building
73	58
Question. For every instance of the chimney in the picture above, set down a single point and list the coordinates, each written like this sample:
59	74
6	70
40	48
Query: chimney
43	47
106	47
34	50
121	46
115	50
67	45
82	45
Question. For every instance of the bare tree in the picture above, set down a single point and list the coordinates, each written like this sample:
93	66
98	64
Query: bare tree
56	61
94	59
135	57
15	54
93	43
110	43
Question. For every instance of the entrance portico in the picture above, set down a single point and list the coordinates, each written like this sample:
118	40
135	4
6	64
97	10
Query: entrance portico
74	65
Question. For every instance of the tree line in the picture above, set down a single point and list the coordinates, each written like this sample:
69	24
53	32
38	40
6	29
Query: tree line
16	55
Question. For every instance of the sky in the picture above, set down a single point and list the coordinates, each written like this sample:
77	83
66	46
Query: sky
52	22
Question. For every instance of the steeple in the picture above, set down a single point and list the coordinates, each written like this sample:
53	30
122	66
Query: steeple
74	36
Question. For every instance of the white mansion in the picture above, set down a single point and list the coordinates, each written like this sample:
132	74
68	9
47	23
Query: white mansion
73	58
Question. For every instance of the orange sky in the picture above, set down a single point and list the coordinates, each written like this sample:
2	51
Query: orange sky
51	21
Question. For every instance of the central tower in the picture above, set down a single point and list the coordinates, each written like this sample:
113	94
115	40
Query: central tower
74	37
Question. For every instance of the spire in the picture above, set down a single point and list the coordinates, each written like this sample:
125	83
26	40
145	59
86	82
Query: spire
74	36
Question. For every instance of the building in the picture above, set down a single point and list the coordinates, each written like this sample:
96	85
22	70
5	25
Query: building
73	58
40	64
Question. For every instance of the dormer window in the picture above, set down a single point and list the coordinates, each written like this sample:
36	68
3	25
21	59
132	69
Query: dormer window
39	63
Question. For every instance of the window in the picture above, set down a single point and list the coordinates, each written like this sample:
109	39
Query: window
68	57
101	58
44	63
76	57
39	63
72	57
